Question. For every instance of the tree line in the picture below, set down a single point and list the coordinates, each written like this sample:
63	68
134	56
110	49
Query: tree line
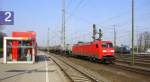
144	41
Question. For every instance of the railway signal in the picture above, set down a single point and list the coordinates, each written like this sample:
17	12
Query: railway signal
95	33
100	34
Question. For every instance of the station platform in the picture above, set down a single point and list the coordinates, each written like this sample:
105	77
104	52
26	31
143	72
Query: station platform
45	70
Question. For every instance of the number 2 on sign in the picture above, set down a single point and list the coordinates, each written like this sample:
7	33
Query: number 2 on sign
8	14
6	18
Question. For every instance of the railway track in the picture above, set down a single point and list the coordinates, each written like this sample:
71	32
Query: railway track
132	68
130	56
119	67
143	61
74	73
141	68
97	71
138	63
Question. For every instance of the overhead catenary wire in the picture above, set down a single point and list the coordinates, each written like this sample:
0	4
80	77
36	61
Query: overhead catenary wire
121	14
69	3
75	9
89	22
107	19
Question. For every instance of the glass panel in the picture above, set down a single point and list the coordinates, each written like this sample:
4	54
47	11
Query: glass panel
107	45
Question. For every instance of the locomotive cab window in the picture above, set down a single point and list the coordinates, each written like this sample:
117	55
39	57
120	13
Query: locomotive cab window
110	45
96	45
104	45
107	45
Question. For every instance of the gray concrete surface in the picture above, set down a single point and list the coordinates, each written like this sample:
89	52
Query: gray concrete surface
45	70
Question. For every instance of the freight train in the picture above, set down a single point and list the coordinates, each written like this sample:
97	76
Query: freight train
96	50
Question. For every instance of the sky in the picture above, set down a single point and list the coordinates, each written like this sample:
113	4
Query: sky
39	15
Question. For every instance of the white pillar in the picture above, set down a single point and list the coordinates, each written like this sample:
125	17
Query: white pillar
5	50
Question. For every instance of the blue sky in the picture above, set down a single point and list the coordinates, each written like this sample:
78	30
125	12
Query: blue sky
39	15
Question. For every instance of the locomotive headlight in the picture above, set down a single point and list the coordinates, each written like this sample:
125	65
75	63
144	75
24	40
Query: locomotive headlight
104	50
111	50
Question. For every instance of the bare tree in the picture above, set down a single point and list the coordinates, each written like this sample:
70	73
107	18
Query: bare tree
144	40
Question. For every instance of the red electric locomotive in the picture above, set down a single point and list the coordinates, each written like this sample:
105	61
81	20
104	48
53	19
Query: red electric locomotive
98	49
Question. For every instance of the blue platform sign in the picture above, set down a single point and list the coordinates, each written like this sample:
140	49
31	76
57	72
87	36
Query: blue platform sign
6	17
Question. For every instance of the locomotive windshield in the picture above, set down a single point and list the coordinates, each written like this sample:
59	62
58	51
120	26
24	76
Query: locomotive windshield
107	45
